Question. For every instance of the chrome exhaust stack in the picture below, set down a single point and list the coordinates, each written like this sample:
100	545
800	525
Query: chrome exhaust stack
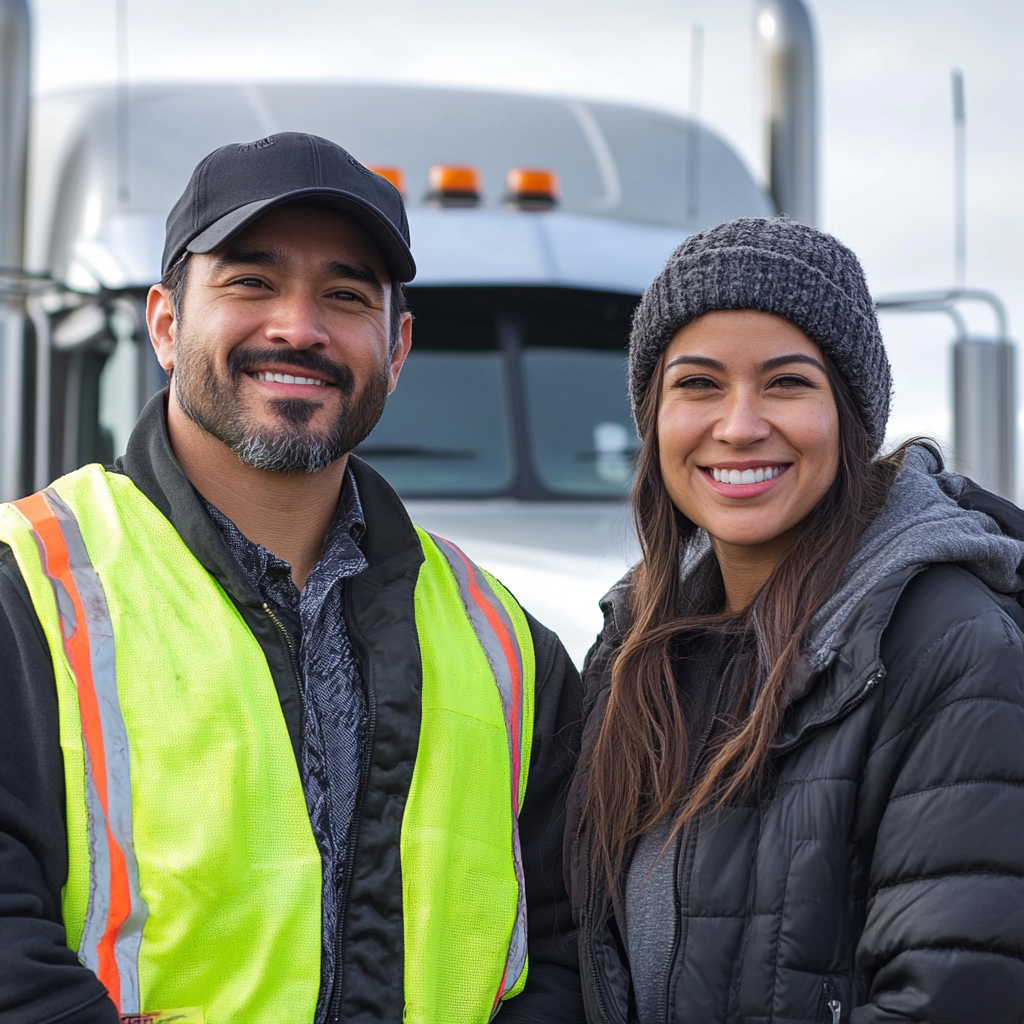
15	89
785	41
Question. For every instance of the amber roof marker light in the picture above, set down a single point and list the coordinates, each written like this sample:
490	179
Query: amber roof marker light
453	185
531	188
392	174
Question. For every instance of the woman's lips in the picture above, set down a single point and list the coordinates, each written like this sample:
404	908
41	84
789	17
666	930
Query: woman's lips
745	490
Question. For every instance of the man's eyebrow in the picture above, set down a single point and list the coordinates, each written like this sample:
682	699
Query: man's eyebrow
250	258
710	364
796	357
354	272
238	258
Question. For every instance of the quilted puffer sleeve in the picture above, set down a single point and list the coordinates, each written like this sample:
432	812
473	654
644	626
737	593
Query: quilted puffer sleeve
944	935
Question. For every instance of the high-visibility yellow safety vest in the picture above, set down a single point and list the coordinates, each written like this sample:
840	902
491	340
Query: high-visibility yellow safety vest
194	879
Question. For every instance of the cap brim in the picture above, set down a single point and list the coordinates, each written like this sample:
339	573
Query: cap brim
384	233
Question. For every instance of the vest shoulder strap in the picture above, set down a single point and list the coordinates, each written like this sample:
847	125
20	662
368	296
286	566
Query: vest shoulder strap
467	789
116	911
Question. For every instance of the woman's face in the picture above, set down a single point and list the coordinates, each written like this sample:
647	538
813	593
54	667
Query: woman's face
747	428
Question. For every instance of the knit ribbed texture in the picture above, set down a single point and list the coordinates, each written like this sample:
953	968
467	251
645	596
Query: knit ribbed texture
775	266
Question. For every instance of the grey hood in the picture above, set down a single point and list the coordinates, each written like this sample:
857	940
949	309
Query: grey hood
922	524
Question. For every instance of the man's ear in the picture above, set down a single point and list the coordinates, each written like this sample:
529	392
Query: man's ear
162	324
401	351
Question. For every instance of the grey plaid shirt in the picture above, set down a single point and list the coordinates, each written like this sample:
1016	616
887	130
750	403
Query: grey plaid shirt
334	712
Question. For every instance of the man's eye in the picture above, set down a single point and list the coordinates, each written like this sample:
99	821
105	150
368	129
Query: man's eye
249	282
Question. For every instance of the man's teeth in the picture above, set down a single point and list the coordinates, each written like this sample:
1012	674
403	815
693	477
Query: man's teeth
286	378
746	476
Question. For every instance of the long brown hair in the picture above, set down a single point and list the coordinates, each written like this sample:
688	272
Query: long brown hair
636	773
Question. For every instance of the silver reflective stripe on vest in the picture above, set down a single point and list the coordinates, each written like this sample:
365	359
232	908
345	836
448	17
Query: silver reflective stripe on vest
497	636
110	835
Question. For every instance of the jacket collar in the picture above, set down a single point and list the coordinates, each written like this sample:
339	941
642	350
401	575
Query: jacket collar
819	698
815	698
389	543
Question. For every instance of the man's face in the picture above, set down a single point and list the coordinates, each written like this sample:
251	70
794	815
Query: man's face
281	350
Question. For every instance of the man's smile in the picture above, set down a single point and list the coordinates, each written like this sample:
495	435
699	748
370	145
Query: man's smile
269	377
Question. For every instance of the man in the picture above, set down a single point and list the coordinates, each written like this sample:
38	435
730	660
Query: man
270	754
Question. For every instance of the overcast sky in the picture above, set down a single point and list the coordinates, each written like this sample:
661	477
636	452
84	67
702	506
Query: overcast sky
886	122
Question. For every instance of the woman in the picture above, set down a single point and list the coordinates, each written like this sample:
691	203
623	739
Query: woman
801	796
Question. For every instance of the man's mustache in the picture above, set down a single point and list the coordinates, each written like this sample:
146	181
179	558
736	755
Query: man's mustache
245	360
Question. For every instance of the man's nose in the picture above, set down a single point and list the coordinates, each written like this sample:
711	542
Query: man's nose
742	421
297	319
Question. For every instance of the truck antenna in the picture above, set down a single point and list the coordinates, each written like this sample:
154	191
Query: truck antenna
693	134
959	181
123	167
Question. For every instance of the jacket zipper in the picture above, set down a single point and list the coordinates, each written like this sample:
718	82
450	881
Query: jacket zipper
832	1003
293	655
335	1000
851	705
685	856
591	959
334	1014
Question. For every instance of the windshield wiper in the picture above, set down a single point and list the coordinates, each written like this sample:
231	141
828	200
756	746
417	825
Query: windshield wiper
412	451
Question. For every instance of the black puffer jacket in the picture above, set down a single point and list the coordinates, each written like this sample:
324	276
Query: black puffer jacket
879	874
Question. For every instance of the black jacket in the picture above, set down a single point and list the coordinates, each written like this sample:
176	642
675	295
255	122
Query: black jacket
41	980
881	866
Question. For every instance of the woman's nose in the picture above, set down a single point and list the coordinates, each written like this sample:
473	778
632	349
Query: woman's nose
742	420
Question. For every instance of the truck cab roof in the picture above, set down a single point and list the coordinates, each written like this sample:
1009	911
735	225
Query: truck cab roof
107	166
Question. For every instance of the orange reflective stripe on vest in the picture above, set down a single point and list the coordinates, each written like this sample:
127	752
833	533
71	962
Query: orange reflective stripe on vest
116	913
496	634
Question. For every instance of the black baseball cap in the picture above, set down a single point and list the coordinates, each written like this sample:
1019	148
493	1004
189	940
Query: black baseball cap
237	183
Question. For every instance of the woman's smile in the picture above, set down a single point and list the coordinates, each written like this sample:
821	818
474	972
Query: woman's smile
742	480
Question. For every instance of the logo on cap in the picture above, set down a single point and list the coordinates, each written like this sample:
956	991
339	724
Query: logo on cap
258	144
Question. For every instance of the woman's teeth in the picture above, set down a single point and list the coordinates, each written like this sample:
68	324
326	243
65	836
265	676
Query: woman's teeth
746	476
285	378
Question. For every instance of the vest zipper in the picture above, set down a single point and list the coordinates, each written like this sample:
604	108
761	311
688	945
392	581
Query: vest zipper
334	1013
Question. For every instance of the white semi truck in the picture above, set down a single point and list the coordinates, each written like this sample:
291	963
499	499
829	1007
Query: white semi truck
536	223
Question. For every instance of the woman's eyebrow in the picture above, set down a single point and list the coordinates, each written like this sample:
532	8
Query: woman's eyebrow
796	357
710	364
769	364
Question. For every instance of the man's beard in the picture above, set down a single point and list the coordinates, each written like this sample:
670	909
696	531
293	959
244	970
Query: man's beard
216	405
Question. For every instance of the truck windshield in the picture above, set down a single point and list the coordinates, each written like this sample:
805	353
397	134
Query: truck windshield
511	392
447	427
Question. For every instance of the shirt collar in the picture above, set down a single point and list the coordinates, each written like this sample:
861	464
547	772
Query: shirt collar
347	527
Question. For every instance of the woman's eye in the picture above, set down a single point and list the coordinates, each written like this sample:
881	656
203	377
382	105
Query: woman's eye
696	383
791	380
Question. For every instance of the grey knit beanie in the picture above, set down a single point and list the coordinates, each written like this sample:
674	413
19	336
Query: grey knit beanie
775	266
